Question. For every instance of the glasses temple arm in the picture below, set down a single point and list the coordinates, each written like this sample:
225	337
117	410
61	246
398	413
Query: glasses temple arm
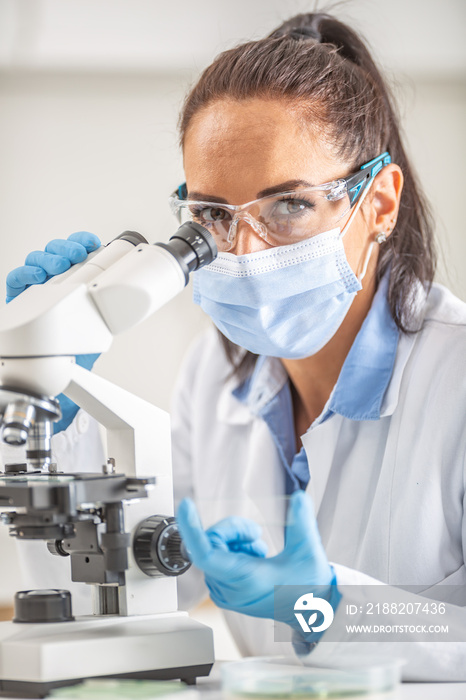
355	182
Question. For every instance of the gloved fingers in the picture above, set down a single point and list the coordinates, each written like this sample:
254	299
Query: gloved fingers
258	548
192	533
216	561
89	240
74	252
58	257
233	532
17	280
301	523
52	264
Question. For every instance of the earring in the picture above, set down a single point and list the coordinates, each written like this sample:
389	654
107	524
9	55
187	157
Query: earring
381	237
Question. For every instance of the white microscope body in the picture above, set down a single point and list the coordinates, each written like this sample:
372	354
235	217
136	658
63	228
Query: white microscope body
115	524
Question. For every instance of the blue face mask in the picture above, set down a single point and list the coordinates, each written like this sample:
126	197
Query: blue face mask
286	301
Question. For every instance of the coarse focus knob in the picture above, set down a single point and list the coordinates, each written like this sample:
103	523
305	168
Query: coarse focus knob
43	606
158	548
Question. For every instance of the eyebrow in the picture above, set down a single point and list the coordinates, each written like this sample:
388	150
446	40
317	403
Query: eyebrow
287	186
283	187
199	196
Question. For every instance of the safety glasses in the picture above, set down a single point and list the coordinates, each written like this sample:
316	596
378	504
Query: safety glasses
284	218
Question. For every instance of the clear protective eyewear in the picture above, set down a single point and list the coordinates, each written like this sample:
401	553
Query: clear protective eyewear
284	218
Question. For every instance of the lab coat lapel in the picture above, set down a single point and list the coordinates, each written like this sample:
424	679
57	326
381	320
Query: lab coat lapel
261	474
264	485
231	410
319	444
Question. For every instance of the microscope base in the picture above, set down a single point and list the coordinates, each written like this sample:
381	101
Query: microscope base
36	658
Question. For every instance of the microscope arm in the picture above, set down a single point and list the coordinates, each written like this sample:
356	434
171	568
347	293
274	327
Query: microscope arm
138	440
79	312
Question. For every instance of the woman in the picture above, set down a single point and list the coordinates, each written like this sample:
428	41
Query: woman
339	368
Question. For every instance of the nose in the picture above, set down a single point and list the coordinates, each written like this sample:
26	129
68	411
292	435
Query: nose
248	236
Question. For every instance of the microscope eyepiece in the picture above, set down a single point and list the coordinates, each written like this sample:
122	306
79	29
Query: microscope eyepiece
193	246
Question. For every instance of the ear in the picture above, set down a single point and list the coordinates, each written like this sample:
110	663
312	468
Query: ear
382	208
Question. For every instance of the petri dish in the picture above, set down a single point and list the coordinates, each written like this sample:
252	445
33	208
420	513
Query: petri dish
273	678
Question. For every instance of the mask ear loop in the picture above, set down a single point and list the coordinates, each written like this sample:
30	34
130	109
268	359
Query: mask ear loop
366	262
350	220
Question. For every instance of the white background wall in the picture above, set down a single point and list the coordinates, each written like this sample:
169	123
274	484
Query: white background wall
89	96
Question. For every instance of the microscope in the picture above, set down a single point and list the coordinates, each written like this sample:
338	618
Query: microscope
114	524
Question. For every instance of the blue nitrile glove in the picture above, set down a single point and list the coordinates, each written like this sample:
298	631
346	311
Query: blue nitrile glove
68	407
244	583
58	257
40	266
237	535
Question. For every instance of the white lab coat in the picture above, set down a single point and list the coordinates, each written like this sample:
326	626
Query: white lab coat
389	494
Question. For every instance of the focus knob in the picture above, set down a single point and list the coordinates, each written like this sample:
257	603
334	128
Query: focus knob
158	548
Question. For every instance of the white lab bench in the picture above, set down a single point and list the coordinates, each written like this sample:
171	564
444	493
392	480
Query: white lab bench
210	689
431	691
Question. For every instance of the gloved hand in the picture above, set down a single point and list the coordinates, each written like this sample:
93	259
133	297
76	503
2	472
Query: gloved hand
237	535
58	257
40	266
238	580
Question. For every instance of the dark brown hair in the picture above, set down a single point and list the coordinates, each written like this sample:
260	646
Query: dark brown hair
325	69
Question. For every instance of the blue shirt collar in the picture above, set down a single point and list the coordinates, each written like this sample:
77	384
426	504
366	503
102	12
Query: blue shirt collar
364	378
368	368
